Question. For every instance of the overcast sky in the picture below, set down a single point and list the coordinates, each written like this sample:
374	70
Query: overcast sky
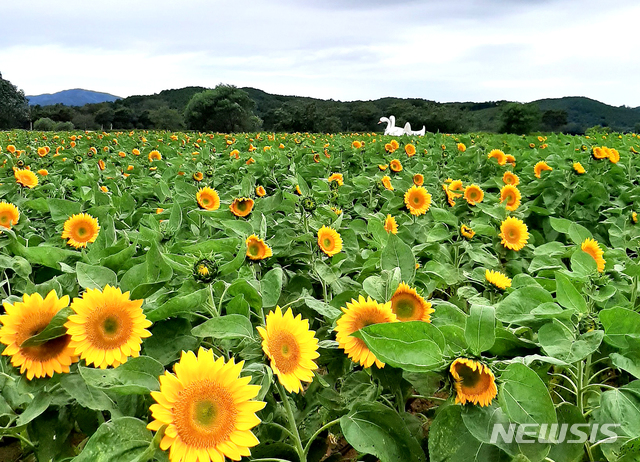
442	50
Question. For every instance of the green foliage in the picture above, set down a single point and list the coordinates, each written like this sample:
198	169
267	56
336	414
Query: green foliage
14	108
224	109
519	118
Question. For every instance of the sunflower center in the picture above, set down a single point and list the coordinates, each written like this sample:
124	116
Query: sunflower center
81	231
404	308
328	243
4	219
205	200
242	206
109	327
468	376
205	414
512	234
254	250
203	270
286	352
49	350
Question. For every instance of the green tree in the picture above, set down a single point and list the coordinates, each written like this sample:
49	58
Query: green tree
165	118
44	124
554	120
14	107
225	109
520	118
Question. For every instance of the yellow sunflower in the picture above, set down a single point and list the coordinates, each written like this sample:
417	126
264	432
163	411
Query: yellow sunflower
513	233
386	182
410	149
208	198
26	319
592	248
467	232
383	167
418	179
80	229
577	166
540	167
257	249
473	194
154	155
357	315
337	177
107	327
407	305
394	144
241	207
9	215
390	225
474	382
600	152
461	147
356	144
498	155
25	178
291	347
43	172
511	194
634	217
198	176
456	185
510	178
512	160
614	156
498	279
260	191
329	241
395	165
208	409
417	200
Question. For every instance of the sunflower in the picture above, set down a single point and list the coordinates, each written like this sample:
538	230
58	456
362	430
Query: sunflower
356	144
418	179
329	241
614	156
383	167
257	249
241	207
9	215
357	315
260	191
592	248
386	182
634	217
43	172
25	319
540	167
511	194
337	177
198	176
394	144
155	155
600	152
25	177
467	232
390	225
80	229
456	185
498	279
513	233
410	149
336	210
208	409
461	147
395	165
473	194
474	382
510	159
498	155
291	347
510	178
417	200
577	166
407	305
107	326
298	190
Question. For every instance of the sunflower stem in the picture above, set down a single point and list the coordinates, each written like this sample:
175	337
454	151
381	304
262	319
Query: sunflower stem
292	423
315	435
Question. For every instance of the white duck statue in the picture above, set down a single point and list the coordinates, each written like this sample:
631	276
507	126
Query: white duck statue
407	130
391	128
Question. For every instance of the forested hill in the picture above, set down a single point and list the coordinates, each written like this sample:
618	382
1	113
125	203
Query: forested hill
304	114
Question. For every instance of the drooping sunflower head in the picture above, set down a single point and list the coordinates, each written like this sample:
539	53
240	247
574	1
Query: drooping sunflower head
154	155
498	279
600	152
291	347
386	182
198	176
107	327
390	225
309	204
410	149
511	195
257	249
208	409
473	194
579	169
25	177
614	156
205	270
337	177
329	241
461	147
395	165
417	200
358	314
512	160
592	248
474	382
541	167
80	229
418	179
208	198
25	319
9	215
260	191
513	233
467	232
498	155
510	178
241	207
408	305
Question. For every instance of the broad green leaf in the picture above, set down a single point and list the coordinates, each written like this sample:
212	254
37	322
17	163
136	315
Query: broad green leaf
583	264
480	328
95	277
138	376
382	288
569	452
251	295
37	406
557	340
54	329
622	406
568	296
620	324
322	308
62	209
86	396
180	305
517	306
175	219
119	440
271	287
578	233
229	326
373	428
236	263
398	254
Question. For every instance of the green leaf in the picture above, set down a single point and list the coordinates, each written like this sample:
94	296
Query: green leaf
119	440
237	262
271	287
565	451
239	227
628	360
568	296
558	341
480	328
443	216
517	306
229	326
622	406
373	428
413	346
561	225
620	324
138	376
238	305
251	295
524	396
180	305
62	209
578	233
583	264
322	308
382	288
398	254
208	246
37	406
95	277
175	219
54	329
85	395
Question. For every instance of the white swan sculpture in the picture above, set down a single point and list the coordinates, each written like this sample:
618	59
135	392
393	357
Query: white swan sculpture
392	130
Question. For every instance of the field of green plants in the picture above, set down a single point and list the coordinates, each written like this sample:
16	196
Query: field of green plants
307	297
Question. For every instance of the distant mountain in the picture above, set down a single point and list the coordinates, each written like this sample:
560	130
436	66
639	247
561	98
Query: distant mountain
75	97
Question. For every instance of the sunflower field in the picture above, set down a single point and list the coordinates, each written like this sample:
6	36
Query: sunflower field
306	297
